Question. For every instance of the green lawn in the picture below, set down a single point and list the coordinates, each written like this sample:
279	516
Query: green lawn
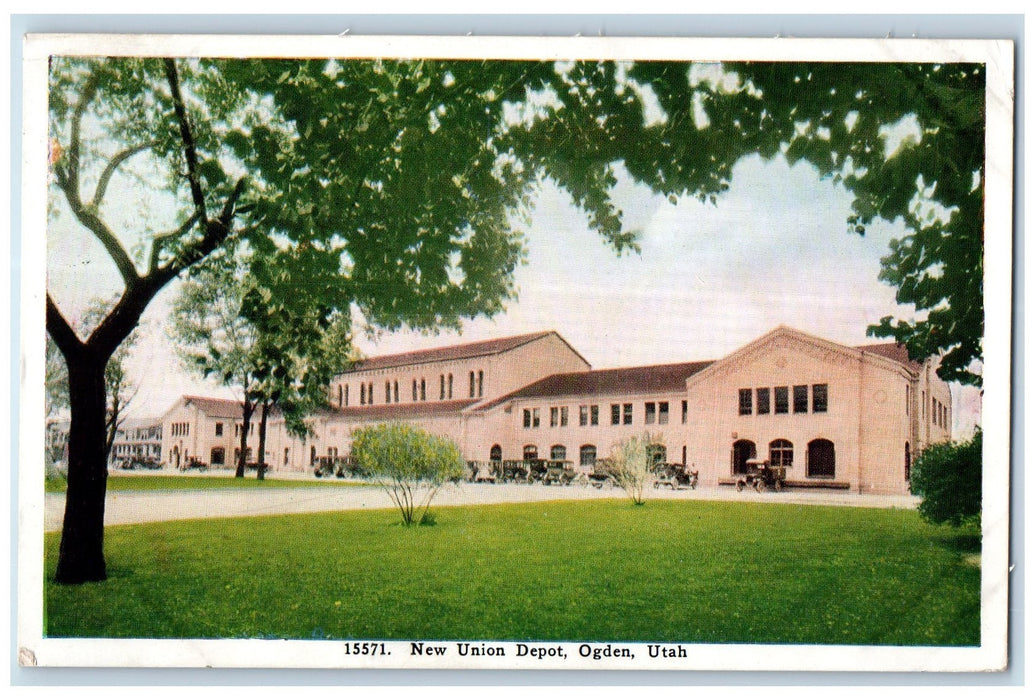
155	482
690	571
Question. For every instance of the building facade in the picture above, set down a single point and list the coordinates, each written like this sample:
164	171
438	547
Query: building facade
137	439
835	416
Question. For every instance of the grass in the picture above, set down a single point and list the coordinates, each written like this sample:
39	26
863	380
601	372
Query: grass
195	483
689	571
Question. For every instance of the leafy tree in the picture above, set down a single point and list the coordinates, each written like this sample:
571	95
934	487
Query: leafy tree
409	463
632	463
947	476
399	180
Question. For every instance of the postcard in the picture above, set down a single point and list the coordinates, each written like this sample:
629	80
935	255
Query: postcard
412	352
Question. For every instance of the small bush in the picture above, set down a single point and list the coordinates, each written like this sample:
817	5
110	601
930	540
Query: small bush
632	465
410	464
948	478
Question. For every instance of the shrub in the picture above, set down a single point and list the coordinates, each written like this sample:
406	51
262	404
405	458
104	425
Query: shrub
409	463
948	478
631	462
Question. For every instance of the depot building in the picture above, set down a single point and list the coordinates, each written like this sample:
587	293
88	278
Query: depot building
834	416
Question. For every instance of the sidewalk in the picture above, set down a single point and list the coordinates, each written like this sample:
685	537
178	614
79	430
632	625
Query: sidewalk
129	507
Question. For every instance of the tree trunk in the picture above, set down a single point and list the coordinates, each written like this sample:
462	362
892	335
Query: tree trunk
81	556
247	408
262	440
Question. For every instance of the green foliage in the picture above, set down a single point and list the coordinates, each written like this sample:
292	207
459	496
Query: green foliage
948	478
681	571
632	465
409	463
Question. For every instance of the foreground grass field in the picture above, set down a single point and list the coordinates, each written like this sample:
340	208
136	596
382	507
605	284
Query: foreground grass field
691	571
168	482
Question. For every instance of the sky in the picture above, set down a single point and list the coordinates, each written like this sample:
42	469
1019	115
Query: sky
775	249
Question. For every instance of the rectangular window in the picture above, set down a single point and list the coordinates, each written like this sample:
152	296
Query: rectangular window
819	398
616	414
801	398
663	413
649	413
762	400
934	410
481	382
441	387
594	415
780	399
423	390
527	418
627	414
554	413
535	417
907	404
583	415
388	392
685	410
564	416
471	377
745	402
219	429
414	389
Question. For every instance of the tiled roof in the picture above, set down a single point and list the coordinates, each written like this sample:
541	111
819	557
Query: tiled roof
653	379
450	352
216	408
403	411
892	351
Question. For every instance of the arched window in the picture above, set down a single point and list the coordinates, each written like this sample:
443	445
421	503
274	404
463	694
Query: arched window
588	455
742	451
450	385
218	456
340	401
781	453
530	452
395	391
423	390
441	387
388	392
558	452
362	394
346	394
496	454
821	462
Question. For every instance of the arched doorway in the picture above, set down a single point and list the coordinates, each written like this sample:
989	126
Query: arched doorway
218	456
530	452
558	452
496	454
821	460
743	450
176	456
588	456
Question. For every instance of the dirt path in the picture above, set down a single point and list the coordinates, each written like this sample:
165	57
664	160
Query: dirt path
127	507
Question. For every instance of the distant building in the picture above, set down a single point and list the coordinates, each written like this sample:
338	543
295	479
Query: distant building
834	416
138	439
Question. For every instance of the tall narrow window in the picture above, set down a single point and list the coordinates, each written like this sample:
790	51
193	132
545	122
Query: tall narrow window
745	402
594	415
554	413
363	394
685	411
780	399
649	414
564	416
627	414
583	415
423	390
819	398
471	377
762	399
535	417
388	392
395	391
526	418
449	385
481	382
414	389
801	398
339	396
441	387
616	414
663	413
346	394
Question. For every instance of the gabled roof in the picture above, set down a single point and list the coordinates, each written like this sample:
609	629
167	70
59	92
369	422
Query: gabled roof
651	379
403	411
892	351
452	352
215	408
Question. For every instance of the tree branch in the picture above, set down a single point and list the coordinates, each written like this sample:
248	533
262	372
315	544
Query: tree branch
60	330
159	240
109	170
189	147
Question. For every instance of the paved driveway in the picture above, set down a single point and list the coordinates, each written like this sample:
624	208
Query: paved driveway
125	507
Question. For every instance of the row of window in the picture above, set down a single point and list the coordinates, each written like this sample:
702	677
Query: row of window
764	400
180	429
418	392
587	453
654	413
939	413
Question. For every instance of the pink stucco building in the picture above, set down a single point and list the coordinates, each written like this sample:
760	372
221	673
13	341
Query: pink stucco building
835	416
